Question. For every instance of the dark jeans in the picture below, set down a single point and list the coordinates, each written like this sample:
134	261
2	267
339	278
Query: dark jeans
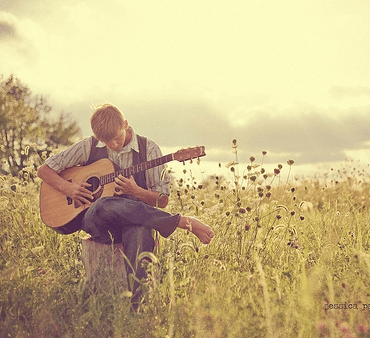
130	222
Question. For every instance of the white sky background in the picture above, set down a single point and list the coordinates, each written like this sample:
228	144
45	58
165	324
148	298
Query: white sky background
289	77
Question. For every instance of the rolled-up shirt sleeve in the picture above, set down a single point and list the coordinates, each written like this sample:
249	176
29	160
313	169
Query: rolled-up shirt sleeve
157	178
77	154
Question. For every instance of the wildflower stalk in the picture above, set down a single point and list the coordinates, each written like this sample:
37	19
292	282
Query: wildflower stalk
171	320
266	296
235	169
290	163
253	241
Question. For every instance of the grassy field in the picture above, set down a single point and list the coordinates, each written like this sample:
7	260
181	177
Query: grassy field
290	258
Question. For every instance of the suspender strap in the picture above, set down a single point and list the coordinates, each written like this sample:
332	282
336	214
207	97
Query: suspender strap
96	153
140	158
99	153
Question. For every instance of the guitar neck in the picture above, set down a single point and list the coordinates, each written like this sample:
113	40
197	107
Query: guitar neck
127	172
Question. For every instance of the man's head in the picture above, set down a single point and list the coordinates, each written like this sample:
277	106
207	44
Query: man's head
108	124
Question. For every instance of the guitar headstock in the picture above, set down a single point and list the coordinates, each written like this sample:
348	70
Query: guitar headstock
189	153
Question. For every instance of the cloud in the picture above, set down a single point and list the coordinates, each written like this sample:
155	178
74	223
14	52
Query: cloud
312	135
341	92
177	122
8	29
17	39
306	134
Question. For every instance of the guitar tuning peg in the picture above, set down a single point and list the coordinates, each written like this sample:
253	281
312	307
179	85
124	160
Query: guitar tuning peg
183	162
191	160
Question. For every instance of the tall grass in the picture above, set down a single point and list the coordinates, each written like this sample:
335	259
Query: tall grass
289	259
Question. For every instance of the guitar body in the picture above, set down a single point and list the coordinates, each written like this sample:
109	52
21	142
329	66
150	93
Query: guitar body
57	209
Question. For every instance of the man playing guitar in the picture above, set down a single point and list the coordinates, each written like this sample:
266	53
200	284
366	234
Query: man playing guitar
133	209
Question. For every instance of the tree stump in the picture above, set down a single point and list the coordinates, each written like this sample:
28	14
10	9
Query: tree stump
104	265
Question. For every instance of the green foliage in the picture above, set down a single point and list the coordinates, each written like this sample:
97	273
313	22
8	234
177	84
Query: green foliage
25	129
289	258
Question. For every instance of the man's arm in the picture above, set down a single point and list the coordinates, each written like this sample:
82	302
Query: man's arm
129	186
77	191
76	154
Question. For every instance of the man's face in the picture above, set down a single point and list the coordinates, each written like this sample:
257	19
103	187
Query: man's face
117	143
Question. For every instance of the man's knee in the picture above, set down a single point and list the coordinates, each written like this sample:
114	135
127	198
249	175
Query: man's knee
98	210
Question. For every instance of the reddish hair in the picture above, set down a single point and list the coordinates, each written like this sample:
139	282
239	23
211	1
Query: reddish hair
106	121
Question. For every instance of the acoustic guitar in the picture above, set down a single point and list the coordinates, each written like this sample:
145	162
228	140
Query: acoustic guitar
57	209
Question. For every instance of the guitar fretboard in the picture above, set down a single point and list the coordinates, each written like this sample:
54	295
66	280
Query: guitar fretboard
127	172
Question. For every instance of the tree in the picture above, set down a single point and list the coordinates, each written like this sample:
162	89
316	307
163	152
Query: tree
25	128
61	132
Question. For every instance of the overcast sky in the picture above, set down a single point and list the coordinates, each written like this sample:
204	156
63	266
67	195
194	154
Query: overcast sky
289	77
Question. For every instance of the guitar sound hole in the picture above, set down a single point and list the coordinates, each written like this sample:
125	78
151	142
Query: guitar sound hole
95	184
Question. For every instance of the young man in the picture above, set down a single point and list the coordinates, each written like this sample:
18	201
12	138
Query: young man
133	212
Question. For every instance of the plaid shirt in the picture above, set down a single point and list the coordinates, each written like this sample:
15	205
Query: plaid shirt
78	154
